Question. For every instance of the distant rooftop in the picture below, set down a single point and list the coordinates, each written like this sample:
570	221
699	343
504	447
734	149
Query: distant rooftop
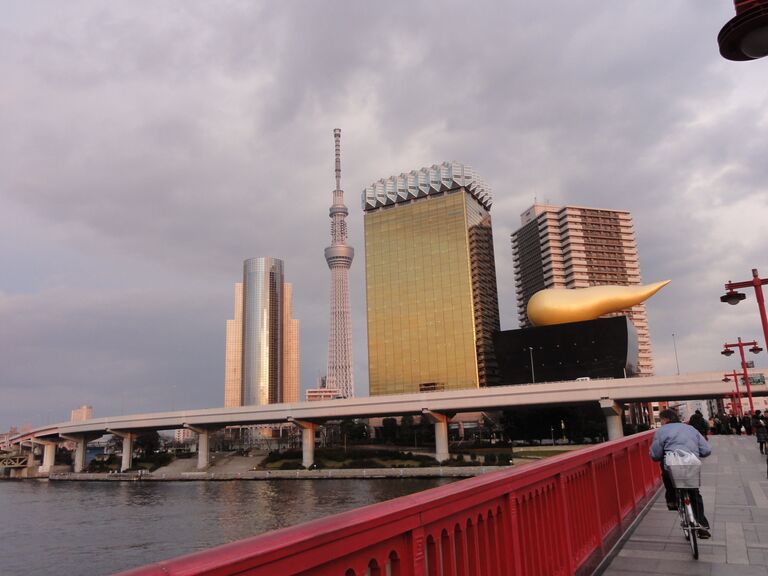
435	179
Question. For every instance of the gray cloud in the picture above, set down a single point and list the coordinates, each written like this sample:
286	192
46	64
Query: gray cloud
149	148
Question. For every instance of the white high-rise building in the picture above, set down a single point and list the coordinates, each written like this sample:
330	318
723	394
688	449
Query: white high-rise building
339	258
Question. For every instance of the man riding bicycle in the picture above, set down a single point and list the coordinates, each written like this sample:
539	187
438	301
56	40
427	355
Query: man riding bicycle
674	435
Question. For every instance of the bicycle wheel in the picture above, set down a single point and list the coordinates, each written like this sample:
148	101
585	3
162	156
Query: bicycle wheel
682	515
691	522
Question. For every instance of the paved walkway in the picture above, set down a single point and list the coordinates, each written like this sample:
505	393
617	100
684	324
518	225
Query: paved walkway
735	491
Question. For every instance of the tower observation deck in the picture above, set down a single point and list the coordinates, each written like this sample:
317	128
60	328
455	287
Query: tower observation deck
339	258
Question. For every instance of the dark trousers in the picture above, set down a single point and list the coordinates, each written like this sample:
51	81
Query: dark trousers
696	501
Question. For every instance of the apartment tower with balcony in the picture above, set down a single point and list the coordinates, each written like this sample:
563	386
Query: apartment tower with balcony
577	247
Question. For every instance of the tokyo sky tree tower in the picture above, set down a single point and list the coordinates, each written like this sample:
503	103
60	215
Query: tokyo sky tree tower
339	257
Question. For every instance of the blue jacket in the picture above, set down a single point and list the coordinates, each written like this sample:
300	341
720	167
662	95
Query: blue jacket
678	435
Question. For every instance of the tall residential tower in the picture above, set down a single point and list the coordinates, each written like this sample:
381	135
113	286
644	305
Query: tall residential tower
262	351
430	281
339	258
576	247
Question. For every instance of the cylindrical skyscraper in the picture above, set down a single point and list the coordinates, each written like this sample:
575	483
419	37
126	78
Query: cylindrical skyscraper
339	257
262	331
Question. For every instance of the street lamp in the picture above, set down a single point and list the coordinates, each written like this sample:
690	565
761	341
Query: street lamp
733	297
674	343
533	375
735	396
745	36
754	349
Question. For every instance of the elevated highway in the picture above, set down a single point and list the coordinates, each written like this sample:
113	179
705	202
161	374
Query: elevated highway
439	407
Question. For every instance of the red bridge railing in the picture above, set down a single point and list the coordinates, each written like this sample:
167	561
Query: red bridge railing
544	519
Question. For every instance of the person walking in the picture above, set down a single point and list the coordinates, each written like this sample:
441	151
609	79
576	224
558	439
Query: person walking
761	432
674	435
698	422
746	423
733	424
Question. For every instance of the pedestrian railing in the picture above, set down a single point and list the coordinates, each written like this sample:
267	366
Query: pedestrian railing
548	518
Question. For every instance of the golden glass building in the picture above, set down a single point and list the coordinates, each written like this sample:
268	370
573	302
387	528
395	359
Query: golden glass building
430	281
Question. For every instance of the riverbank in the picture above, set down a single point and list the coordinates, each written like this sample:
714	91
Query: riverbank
229	466
325	474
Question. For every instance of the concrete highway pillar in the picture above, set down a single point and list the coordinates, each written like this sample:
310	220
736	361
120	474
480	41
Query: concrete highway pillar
308	446
203	450
81	443
307	441
612	412
49	455
78	465
127	461
441	433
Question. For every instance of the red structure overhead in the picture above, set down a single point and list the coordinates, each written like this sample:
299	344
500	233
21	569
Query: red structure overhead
745	36
553	517
755	349
732	296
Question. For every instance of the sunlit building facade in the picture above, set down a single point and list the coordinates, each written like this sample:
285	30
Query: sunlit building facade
322	392
430	281
81	414
233	361
262	349
577	247
184	436
291	350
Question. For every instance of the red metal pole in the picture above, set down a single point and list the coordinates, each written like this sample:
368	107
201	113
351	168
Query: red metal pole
739	411
746	377
758	284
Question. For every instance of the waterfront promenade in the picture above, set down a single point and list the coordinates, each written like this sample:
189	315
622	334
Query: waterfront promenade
735	492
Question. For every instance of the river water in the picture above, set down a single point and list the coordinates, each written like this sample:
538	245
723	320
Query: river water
96	528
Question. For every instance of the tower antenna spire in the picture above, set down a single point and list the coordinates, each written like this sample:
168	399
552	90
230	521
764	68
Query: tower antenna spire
337	139
339	258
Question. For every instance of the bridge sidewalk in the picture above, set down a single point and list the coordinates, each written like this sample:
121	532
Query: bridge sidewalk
735	492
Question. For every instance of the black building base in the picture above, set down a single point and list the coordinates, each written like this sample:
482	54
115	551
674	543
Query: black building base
602	348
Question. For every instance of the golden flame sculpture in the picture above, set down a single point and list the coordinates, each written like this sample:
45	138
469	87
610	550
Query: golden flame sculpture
561	305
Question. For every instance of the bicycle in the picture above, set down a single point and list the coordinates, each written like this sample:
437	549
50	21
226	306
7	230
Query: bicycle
688	521
684	469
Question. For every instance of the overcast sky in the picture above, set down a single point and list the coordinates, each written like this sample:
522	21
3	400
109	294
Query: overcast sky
148	148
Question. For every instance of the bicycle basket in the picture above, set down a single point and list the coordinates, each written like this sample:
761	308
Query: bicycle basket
684	468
